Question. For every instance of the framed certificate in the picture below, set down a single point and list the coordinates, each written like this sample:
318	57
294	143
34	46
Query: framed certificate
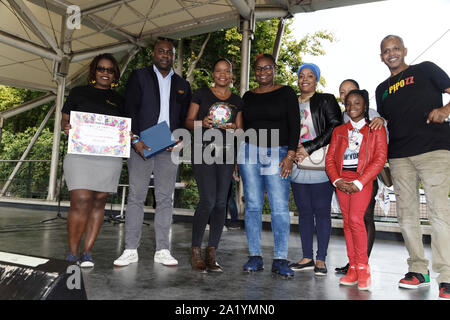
99	135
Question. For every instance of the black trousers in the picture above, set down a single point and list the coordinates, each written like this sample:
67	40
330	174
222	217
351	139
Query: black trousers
213	183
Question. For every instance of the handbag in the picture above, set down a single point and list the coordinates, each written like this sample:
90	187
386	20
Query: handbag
315	161
385	176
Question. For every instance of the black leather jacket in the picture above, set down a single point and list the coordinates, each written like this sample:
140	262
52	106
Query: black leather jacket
326	115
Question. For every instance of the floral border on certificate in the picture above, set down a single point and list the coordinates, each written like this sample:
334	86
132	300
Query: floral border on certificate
118	150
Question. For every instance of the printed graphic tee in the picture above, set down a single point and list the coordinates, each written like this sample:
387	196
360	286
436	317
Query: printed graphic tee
405	100
307	131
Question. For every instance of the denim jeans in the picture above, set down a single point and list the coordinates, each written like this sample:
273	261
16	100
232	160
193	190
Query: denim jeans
259	174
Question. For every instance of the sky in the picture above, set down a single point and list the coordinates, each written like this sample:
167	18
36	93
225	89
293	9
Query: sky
359	29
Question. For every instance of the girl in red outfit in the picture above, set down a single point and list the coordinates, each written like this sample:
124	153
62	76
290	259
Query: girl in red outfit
355	156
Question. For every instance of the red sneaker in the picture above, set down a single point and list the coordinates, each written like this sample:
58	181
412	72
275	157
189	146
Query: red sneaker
364	280
444	290
350	278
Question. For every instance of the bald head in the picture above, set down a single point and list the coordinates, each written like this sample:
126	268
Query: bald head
391	36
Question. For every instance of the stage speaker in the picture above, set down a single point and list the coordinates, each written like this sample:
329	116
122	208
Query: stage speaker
25	277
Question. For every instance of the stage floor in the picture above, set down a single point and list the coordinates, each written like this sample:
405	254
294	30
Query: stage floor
22	232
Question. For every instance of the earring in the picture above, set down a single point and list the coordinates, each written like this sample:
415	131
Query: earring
114	84
93	82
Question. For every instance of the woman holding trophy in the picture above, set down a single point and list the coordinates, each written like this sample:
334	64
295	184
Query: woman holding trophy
217	111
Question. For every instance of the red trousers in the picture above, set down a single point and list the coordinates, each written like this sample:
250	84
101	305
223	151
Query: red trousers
353	207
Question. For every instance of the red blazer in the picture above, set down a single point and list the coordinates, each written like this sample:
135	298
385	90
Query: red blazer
372	154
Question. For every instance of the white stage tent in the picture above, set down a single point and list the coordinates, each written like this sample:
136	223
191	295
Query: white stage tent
47	45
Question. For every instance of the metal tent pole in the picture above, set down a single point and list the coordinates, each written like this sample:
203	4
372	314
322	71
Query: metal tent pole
247	34
56	138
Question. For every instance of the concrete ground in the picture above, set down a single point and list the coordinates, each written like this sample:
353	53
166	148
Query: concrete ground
22	232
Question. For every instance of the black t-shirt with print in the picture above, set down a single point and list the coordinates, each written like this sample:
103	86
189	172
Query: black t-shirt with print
93	100
405	100
206	99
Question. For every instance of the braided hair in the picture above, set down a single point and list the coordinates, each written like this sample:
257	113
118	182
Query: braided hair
365	95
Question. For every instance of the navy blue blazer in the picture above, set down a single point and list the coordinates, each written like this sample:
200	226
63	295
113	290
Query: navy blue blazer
142	100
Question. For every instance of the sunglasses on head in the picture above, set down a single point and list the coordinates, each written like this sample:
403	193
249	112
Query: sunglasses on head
103	69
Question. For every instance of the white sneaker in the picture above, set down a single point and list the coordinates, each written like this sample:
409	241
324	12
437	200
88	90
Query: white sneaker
128	256
163	256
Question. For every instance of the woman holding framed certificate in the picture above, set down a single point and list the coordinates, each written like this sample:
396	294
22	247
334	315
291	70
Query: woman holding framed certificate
91	178
218	111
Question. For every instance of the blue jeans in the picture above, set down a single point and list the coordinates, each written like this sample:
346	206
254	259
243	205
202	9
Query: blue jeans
314	205
263	174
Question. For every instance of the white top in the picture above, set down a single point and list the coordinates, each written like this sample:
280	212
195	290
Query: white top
164	93
352	152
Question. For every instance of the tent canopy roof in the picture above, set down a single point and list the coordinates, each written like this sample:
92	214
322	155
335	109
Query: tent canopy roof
35	40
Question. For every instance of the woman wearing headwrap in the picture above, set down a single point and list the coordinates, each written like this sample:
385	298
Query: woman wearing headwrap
312	190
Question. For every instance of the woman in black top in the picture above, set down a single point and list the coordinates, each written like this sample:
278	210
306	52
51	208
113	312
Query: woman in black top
213	107
265	162
91	178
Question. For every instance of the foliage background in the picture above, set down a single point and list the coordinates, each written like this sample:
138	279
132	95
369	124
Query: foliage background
32	180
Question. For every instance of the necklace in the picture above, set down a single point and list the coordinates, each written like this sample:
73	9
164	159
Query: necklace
398	78
221	95
305	97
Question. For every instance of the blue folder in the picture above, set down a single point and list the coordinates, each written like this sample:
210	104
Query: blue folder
157	138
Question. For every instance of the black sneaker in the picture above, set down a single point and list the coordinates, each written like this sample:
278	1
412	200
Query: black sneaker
280	266
342	270
320	271
302	266
234	225
255	263
414	280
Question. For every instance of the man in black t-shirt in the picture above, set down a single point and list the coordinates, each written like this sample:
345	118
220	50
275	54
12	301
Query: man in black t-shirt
419	148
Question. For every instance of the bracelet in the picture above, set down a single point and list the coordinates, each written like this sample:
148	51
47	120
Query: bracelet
135	141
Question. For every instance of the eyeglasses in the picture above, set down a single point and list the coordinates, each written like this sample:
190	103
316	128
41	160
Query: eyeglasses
265	68
103	69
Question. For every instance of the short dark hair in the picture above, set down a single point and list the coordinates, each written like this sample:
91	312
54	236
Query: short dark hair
222	59
160	39
390	36
352	81
94	63
264	55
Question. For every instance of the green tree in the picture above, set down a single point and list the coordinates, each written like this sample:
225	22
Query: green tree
11	97
17	131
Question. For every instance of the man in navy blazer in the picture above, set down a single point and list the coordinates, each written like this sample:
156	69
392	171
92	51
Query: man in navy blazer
153	94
